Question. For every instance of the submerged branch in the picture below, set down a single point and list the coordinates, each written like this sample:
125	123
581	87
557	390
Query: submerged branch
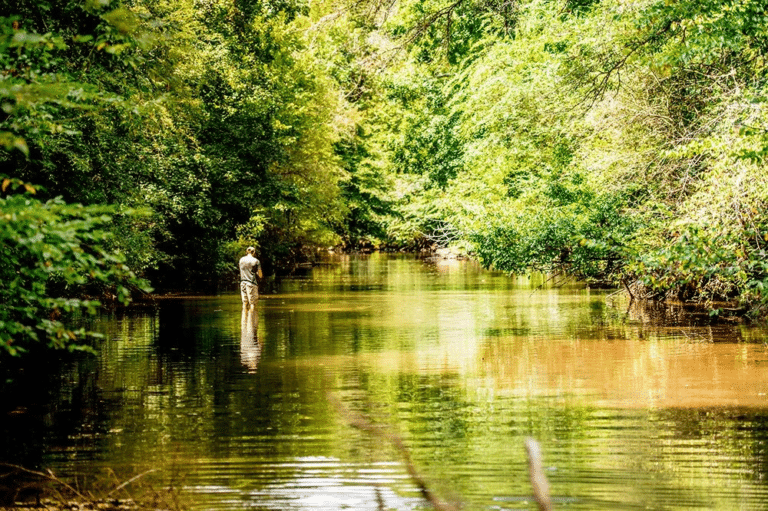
129	481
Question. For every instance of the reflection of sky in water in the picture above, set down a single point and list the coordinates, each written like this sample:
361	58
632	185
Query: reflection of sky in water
635	407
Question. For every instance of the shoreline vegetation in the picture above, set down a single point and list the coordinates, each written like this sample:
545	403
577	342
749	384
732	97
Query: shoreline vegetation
730	312
698	311
22	488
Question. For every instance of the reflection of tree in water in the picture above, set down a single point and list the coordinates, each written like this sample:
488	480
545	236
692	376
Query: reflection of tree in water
735	438
691	322
26	413
250	349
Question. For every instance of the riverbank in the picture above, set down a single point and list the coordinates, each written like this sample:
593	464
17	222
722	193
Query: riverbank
89	505
22	488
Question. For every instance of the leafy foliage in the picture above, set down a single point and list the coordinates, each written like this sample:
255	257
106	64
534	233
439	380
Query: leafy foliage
588	239
204	114
55	255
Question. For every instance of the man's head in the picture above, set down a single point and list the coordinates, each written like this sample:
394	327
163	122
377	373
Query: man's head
250	250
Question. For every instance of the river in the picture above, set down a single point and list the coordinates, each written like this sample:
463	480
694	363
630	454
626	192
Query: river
634	407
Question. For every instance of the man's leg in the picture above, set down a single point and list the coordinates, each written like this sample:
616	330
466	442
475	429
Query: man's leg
253	294
244	294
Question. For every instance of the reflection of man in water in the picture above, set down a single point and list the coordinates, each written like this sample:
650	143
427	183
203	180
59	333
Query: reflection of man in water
250	268
250	349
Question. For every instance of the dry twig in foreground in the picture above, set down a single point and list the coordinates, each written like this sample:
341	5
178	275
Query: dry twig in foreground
538	478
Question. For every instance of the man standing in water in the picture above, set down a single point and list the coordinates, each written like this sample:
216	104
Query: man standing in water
250	268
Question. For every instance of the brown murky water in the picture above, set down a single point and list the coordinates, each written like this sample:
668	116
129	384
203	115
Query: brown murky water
639	408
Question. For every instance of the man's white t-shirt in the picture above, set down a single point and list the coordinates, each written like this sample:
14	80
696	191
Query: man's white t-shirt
249	267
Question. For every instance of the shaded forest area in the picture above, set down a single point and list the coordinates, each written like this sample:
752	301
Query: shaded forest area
148	142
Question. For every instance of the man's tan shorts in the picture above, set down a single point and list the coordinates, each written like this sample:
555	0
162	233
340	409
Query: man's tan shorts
249	293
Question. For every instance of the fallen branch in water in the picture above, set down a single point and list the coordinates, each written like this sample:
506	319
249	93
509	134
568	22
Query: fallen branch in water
129	481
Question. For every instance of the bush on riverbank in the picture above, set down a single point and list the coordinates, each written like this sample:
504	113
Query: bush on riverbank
55	256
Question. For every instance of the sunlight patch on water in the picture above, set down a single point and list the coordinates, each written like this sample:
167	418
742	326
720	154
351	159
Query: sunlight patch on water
316	483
